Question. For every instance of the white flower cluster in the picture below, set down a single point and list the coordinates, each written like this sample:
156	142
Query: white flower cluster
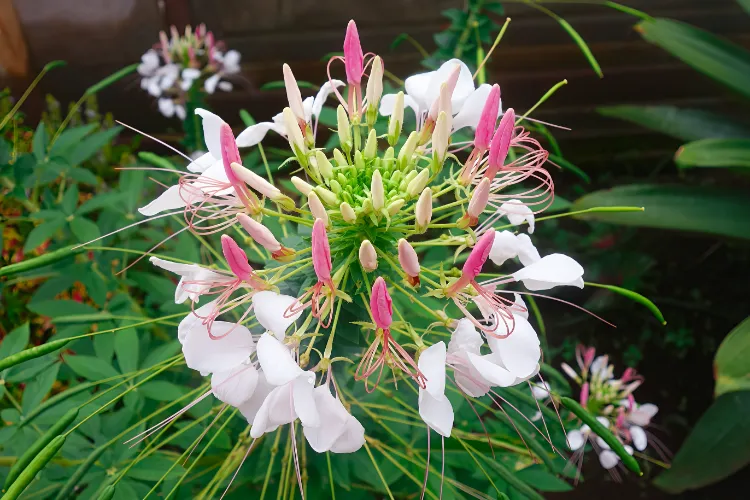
176	64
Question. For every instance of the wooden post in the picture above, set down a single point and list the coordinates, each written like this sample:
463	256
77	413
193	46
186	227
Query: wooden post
14	57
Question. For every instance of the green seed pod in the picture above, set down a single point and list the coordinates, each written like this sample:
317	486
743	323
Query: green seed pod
31	353
40	459
604	433
107	493
41	261
54	400
82	469
38	445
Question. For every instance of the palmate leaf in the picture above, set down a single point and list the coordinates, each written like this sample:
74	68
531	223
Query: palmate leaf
686	208
718	446
714	153
714	56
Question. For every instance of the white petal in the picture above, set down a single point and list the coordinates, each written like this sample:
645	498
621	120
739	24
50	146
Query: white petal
505	246
491	371
642	414
235	386
225	86
608	459
204	354
517	212
467	377
254	134
190	74
437	413
277	409
307	108
231	62
603	421
352	439
193	321
416	87
527	252
432	365
333	419
520	351
576	439
464	86
519	307
323	93
166	105
250	408
388	102
304	402
471	111
277	362
269	310
638	435
168	200
551	271
202	163
465	338
210	84
540	391
211	130
602	443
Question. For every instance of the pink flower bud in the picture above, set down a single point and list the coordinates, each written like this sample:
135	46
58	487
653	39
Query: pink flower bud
164	47
584	394
381	304
229	152
259	233
293	93
488	119
501	143
423	209
353	56
321	252
409	261
368	257
478	255
255	181
478	202
446	93
236	258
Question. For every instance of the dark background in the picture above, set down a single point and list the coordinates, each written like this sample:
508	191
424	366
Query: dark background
699	282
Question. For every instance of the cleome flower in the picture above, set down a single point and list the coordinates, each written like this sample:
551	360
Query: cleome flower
356	270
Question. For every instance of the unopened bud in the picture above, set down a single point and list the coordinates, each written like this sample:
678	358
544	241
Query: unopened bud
396	119
326	196
488	119
368	257
344	129
371	146
316	207
294	136
265	238
450	86
477	204
377	192
418	183
395	206
262	186
409	261
335	186
440	140
353	56
374	89
442	104
359	161
324	166
570	372
347	212
302	186
339	158
407	150
423	210
293	94
500	144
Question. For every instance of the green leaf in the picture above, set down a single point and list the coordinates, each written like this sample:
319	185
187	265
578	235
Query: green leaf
38	388
84	230
745	4
39	142
714	153
126	349
542	480
153	468
732	360
161	390
714	56
42	233
70	200
718	446
683	124
55	308
70	138
687	208
161	353
100	201
91	145
82	175
90	367
15	341
634	296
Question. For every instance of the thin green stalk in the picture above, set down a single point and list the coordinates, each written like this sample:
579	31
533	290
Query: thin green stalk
541	101
47	67
380	474
274	452
499	37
